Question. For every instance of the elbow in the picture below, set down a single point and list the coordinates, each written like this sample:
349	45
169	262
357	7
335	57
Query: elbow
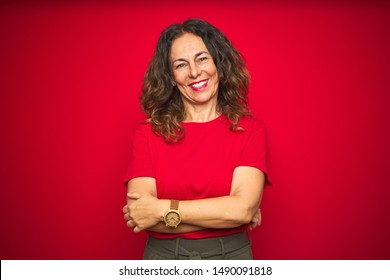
245	215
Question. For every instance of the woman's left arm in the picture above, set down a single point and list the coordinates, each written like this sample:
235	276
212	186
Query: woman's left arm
221	212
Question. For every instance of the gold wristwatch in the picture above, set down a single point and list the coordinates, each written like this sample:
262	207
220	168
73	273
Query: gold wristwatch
172	217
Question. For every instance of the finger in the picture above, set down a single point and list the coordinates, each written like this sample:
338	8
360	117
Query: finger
133	195
137	229
127	217
130	224
125	209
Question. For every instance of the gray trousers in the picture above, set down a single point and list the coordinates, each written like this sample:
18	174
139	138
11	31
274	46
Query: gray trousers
232	247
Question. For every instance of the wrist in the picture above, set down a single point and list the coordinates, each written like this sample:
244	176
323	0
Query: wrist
162	208
172	217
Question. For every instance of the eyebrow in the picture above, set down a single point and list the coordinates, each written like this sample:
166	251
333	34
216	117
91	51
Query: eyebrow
196	55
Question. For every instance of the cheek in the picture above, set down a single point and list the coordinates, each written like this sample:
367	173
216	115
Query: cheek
213	72
182	90
215	76
179	77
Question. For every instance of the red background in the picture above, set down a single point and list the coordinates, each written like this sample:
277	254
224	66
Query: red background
70	83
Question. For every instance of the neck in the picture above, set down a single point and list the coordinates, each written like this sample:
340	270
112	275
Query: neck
200	114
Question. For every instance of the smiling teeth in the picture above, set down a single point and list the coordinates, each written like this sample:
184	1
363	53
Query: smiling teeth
198	85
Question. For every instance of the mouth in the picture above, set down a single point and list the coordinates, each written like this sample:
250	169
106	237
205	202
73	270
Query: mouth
197	86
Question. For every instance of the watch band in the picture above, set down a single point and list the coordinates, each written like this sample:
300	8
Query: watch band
175	204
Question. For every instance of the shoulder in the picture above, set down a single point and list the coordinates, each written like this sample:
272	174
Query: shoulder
251	123
142	128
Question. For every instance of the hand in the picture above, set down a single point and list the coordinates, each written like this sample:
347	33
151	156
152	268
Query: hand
143	211
130	223
256	220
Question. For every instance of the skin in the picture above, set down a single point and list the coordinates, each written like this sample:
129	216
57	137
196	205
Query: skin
196	77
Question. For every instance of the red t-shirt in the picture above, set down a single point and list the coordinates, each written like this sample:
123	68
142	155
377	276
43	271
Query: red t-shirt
201	165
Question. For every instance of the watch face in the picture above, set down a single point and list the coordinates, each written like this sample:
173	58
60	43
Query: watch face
172	219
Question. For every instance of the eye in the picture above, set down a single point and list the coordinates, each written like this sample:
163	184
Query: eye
203	59
180	65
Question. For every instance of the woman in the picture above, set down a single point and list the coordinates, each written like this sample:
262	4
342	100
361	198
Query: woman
200	162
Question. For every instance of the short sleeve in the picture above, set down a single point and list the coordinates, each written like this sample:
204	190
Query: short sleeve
255	152
140	164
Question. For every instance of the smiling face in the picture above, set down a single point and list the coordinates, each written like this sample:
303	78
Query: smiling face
194	71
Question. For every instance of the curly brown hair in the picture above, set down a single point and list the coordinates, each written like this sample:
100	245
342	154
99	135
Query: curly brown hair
162	101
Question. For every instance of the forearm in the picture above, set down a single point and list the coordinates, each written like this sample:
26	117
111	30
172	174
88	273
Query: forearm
219	212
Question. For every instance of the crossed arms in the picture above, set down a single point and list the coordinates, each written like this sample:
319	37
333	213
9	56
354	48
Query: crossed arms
145	211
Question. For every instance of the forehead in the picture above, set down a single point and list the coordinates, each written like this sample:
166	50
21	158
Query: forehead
187	46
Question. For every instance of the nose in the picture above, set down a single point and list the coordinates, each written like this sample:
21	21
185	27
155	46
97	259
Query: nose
194	71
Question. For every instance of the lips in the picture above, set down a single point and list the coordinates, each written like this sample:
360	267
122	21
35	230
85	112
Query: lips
197	86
